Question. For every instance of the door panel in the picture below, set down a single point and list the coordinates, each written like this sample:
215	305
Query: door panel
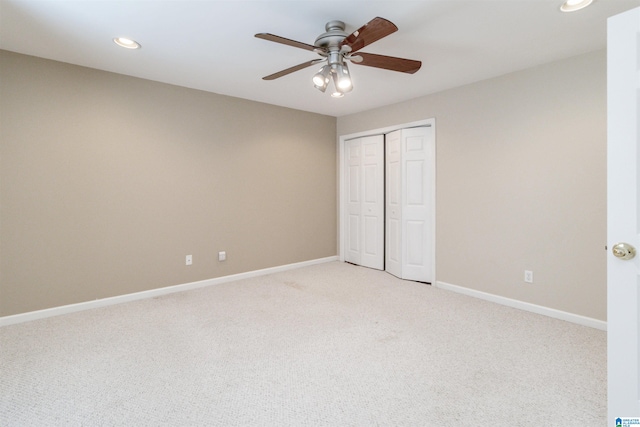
415	243
623	214
373	203
393	238
416	207
365	201
393	246
370	181
352	253
415	182
371	224
415	143
409	208
354	184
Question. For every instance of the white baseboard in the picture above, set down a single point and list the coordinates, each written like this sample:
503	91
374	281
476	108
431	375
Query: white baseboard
72	308
538	309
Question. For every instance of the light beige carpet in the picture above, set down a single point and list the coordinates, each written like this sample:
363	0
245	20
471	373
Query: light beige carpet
326	345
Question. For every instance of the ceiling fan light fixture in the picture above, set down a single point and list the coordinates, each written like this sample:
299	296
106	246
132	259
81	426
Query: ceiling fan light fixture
342	78
574	5
321	78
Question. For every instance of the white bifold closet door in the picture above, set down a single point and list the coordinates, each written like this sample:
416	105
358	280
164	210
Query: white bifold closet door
365	201
409	203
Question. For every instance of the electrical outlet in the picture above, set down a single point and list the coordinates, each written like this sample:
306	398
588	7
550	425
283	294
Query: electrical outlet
528	276
189	260
222	256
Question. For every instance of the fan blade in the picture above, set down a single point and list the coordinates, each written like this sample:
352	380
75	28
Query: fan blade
373	31
292	69
392	63
288	42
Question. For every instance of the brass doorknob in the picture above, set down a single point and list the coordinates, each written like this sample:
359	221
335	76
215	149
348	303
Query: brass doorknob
624	251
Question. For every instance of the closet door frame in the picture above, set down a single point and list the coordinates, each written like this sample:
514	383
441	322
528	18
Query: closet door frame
342	185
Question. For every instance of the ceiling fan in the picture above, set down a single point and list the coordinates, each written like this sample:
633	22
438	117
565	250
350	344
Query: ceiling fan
336	48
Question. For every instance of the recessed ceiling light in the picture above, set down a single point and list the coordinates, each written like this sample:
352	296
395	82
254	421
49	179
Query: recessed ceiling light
573	5
126	43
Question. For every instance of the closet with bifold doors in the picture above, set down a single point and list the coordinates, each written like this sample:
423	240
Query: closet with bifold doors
389	202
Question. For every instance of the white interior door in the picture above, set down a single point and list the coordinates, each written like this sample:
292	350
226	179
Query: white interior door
410	156
365	201
623	139
416	204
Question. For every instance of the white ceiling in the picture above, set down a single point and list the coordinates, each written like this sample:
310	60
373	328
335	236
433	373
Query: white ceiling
210	45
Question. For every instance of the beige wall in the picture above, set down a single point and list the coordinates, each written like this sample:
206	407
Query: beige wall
108	181
521	182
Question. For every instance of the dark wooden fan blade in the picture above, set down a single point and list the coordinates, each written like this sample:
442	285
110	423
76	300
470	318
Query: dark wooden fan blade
290	70
389	62
288	42
373	31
